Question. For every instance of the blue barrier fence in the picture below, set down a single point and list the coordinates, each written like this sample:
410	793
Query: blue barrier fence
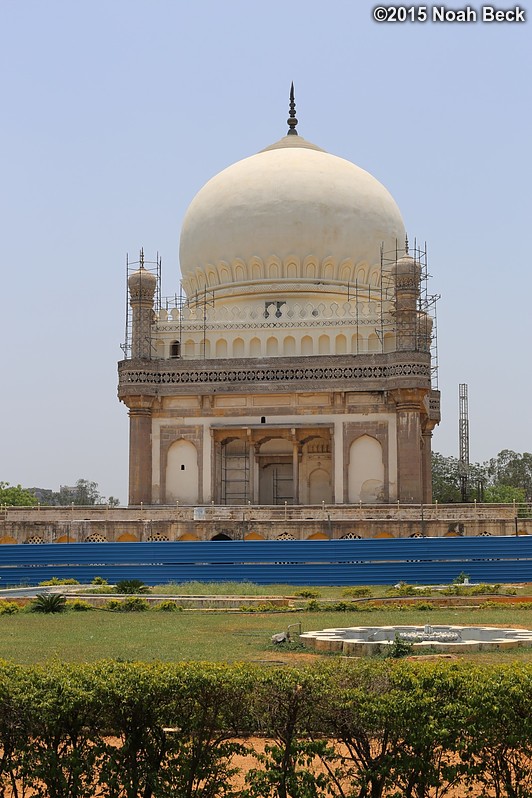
334	562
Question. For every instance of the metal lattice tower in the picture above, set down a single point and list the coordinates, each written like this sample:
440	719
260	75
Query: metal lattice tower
463	432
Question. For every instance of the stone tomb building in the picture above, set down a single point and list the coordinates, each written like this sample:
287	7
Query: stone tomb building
295	366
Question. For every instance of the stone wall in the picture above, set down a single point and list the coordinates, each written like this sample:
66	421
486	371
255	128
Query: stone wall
145	523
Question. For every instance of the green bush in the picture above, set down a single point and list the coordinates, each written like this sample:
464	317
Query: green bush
55	581
8	607
99	580
131	586
310	594
357	592
130	604
353	728
265	606
168	606
77	605
399	648
422	606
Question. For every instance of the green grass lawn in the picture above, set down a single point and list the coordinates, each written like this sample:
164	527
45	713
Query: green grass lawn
89	636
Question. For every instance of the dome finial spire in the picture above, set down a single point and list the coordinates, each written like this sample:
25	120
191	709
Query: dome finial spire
292	121
406	244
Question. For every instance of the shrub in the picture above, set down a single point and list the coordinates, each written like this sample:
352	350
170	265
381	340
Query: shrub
399	649
99	580
55	581
461	578
79	606
424	606
357	592
266	606
131	586
8	607
132	604
310	594
168	606
48	603
313	606
341	606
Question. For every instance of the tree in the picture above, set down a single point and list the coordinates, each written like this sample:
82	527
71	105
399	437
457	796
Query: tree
16	495
513	469
445	479
504	494
84	493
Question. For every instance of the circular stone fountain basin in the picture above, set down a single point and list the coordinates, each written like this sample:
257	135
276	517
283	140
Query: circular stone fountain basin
363	641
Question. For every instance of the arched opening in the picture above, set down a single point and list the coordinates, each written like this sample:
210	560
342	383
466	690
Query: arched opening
272	347
188	536
221	536
127	537
221	347
289	345
7	539
175	349
366	471
255	347
182	474
235	471
276	481
307	347
383	534
318	536
238	347
324	347
341	345
374	345
254	536
319	486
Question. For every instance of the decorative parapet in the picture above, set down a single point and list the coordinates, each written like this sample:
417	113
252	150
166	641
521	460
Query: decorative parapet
332	372
337	512
195	317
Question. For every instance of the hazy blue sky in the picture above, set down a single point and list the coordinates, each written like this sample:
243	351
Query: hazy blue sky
115	112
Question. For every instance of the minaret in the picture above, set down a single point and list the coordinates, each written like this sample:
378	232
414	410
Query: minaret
142	284
410	402
407	273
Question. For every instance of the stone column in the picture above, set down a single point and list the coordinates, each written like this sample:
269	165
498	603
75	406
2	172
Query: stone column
295	471
339	477
255	475
140	456
426	457
409	441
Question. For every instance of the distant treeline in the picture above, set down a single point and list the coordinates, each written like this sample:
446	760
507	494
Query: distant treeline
502	479
367	729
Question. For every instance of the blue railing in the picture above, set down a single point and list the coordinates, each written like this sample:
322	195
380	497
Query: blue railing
335	562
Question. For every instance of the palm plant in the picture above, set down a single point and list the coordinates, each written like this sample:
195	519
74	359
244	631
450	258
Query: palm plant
48	603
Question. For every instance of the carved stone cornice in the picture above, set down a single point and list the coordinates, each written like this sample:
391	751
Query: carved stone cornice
386	372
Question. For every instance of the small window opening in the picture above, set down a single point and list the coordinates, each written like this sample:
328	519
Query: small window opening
175	349
263	419
276	307
182	467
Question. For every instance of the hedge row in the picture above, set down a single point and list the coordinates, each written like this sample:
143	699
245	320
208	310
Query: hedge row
344	730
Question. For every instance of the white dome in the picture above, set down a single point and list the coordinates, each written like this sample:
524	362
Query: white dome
290	205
